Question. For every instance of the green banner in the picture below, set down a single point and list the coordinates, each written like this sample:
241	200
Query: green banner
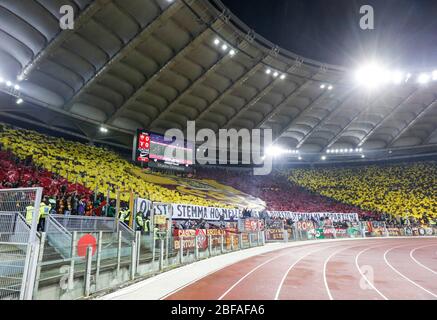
320	234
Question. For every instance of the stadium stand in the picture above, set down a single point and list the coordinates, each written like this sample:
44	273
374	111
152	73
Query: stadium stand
29	158
404	189
279	193
93	167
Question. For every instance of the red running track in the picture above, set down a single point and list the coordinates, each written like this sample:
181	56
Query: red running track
373	269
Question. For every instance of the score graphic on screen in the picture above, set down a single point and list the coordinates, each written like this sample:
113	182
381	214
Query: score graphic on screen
153	149
143	149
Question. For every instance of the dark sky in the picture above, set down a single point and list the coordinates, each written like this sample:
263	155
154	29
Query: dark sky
405	33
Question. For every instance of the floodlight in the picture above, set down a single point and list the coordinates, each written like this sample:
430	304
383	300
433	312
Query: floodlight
19	101
282	76
423	78
268	71
275	74
8	83
397	77
330	87
216	42
224	47
323	158
322	86
372	75
232	52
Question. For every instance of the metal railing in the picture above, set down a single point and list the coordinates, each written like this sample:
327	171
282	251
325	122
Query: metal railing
18	241
113	261
13	228
85	223
127	233
58	236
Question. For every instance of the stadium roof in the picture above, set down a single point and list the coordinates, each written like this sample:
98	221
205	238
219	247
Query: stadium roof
156	64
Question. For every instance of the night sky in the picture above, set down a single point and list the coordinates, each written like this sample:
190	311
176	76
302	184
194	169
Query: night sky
405	33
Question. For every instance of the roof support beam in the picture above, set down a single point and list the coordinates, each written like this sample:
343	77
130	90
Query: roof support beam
252	102
295	93
148	82
338	105
59	110
391	113
125	50
352	121
267	89
240	81
63	35
222	60
431	135
308	108
415	120
73	134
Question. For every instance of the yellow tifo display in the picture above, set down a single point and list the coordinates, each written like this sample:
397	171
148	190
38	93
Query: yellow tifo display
99	168
405	189
204	188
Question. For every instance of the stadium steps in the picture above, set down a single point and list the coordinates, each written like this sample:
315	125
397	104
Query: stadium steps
11	267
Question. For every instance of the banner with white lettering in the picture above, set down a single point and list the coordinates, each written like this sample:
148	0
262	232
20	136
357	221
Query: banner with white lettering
162	209
192	212
296	216
144	206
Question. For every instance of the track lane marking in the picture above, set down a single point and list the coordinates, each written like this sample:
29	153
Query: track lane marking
325	264
248	274
363	275
278	291
257	267
402	275
419	263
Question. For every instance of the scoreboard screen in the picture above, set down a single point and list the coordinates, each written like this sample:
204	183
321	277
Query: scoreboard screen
151	147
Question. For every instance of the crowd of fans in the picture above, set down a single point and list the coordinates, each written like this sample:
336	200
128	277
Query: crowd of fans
278	193
94	167
72	174
407	190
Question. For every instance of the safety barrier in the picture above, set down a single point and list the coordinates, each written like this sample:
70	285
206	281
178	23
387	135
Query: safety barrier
102	260
18	241
86	223
58	236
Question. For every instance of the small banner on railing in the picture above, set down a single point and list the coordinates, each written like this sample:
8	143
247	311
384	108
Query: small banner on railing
296	216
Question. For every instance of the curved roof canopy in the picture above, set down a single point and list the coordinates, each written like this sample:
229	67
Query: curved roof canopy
157	64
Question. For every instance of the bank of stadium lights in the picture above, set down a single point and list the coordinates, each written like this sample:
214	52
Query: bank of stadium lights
11	88
9	84
225	47
325	86
424	78
344	151
276	74
374	75
276	151
103	130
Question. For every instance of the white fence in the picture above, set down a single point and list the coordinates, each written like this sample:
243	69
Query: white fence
18	242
